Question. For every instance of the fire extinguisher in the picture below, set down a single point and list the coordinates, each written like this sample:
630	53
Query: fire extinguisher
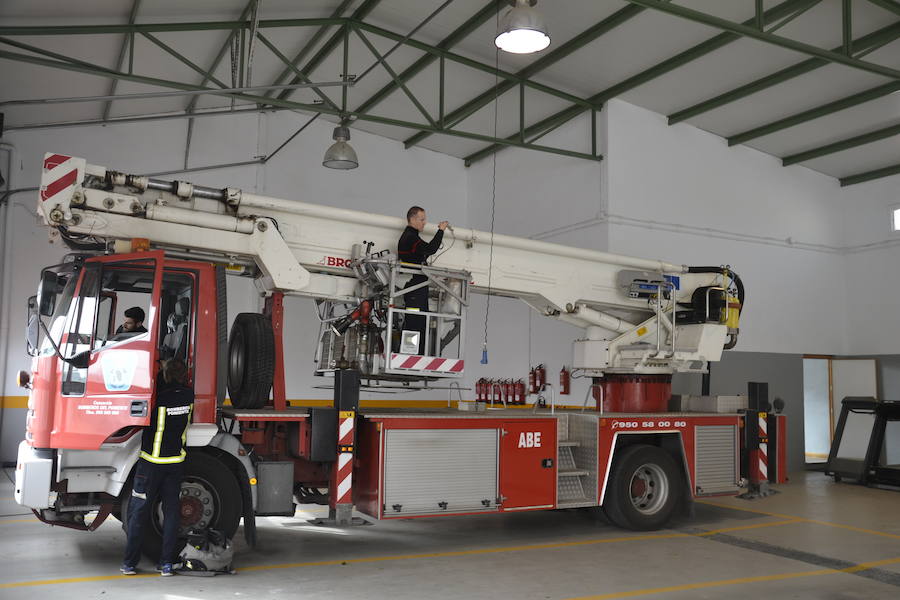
520	392
496	391
507	391
479	390
532	381
564	380
541	376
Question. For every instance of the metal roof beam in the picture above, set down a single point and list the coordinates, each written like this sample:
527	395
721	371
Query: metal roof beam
834	56
471	24
814	113
579	41
889	5
103	72
192	105
31	30
127	42
169	117
858	140
291	67
333	42
714	43
468	62
875	39
308	46
207	75
870	175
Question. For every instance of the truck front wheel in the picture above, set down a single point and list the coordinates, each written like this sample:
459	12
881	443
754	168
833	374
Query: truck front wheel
210	499
643	489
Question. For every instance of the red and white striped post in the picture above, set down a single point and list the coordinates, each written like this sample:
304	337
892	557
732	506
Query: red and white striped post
763	454
346	402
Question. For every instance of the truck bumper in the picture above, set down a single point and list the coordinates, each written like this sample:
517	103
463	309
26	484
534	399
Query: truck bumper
33	478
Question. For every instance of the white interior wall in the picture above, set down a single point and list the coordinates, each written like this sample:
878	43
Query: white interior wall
682	195
872	279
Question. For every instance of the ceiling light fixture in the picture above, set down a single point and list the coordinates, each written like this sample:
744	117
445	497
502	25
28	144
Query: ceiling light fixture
522	29
340	155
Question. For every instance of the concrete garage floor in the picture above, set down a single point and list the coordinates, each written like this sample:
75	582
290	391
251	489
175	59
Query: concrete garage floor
814	540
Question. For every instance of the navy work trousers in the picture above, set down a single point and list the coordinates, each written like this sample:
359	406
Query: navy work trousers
150	482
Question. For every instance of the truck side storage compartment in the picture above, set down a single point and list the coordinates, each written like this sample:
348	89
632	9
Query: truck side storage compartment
439	471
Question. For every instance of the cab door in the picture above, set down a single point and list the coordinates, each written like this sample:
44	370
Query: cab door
111	383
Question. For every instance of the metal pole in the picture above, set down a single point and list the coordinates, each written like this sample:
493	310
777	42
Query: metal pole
441	95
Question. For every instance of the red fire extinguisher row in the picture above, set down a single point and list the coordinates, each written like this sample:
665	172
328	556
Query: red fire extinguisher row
514	391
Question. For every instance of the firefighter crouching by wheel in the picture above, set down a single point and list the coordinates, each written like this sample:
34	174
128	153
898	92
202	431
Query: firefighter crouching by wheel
160	468
413	249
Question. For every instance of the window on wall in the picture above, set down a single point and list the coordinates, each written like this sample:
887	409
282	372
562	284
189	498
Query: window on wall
895	218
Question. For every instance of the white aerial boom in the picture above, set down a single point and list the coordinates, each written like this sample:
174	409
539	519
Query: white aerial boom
639	316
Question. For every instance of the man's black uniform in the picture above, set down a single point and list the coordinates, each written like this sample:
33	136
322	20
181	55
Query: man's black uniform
159	471
413	249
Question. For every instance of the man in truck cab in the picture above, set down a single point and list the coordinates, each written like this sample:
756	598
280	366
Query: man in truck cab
413	249
159	469
134	321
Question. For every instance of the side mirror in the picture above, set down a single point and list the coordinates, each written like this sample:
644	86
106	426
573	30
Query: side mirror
81	360
32	329
47	291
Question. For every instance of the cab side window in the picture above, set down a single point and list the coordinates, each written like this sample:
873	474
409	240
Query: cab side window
97	317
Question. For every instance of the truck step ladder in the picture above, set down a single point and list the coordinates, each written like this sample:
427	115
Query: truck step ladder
576	463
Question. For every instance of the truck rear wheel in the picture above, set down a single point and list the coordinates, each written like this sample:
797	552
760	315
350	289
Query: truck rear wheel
251	360
643	489
210	499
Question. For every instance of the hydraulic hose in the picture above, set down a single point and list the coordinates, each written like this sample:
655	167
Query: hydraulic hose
727	273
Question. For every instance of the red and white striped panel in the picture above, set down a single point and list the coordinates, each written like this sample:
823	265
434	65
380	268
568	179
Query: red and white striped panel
414	362
59	176
763	448
346	427
344	478
764	461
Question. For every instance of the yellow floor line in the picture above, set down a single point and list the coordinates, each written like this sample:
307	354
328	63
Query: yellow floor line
745	527
739	581
803	519
18	584
19	521
372	559
749	510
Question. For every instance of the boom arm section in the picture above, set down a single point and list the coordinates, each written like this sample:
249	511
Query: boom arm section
305	249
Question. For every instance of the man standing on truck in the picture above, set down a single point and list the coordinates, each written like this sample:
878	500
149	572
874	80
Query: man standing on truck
160	468
413	249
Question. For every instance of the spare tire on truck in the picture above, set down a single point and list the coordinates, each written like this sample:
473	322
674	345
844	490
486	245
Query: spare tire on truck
251	360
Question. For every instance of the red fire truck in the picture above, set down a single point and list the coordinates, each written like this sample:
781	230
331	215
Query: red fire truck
167	245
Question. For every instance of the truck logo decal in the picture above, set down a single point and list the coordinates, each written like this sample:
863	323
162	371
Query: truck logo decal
118	370
530	439
334	261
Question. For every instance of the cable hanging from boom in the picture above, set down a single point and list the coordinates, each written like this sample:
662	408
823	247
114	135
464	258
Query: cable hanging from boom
487	308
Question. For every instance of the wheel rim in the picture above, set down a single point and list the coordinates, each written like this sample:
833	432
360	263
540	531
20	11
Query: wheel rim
649	489
198	506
